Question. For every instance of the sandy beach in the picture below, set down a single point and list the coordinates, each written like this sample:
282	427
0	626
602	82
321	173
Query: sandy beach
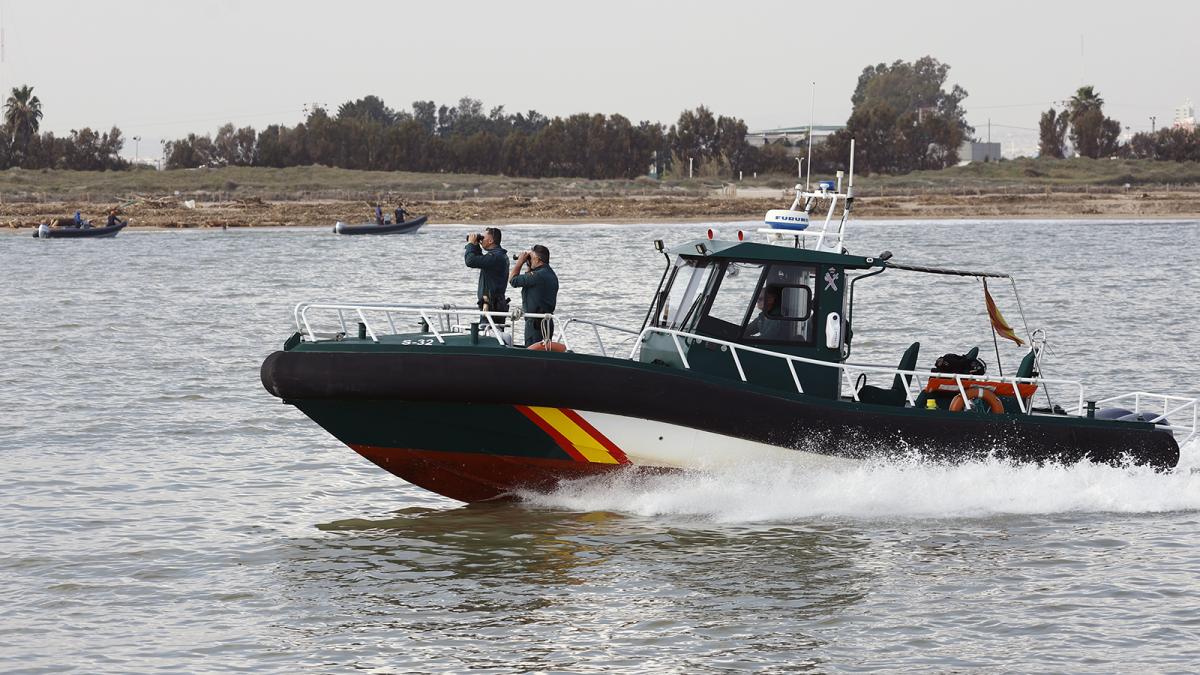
255	212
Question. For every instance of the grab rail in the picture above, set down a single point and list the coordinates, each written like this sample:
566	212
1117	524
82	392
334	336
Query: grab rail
1142	401
449	319
443	320
909	377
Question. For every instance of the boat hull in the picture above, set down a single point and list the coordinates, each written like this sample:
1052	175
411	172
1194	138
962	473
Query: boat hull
432	418
406	227
77	232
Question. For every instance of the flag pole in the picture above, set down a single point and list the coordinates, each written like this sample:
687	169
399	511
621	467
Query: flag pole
995	341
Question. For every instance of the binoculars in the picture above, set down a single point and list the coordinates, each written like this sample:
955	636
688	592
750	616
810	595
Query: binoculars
479	235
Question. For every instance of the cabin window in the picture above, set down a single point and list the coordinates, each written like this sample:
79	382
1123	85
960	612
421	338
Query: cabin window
680	306
783	306
734	301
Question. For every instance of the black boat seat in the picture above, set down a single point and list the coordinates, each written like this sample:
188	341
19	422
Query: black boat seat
897	394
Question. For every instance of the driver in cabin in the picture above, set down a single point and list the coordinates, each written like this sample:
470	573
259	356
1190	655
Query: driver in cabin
484	254
769	324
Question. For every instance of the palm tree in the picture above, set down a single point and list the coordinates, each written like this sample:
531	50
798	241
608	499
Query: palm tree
1086	98
22	114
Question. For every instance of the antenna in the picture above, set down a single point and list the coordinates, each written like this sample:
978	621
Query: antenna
850	187
811	111
1082	79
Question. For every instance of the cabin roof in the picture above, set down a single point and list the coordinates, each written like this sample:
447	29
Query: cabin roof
759	252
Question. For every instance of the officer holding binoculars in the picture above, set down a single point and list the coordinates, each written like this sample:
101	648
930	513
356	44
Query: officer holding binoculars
539	291
483	253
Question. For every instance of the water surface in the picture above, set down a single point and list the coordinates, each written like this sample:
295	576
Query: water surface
162	512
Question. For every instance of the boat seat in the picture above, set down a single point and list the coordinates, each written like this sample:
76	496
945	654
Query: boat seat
897	395
1028	368
1028	365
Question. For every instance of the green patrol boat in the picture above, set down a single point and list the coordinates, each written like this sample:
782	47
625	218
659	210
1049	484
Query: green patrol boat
743	356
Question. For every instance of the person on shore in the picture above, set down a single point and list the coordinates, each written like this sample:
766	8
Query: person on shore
539	292
483	252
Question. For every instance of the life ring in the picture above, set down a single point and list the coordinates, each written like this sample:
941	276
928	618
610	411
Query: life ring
541	347
993	401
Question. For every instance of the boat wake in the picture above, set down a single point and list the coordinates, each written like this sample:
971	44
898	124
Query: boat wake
887	490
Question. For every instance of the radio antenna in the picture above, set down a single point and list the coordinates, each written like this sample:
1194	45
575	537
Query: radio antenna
811	111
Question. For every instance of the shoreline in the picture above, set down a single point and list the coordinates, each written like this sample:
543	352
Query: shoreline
168	213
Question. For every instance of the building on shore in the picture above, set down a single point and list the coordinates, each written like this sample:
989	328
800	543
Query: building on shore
974	151
793	138
1185	116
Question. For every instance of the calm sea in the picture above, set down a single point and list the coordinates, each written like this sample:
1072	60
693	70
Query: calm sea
162	513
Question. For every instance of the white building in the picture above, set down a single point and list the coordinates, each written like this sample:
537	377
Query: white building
1185	116
974	151
795	138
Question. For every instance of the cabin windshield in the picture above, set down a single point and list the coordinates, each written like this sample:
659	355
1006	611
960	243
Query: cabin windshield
680	304
763	303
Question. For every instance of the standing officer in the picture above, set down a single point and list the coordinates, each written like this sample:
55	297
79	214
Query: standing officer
492	263
539	291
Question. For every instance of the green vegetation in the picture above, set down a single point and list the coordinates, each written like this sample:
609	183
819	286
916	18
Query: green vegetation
84	149
318	182
1049	173
903	120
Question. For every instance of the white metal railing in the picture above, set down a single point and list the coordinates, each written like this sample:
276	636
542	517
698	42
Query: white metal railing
442	320
909	377
596	326
1145	403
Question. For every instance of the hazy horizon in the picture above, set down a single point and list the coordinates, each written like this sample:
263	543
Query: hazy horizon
162	70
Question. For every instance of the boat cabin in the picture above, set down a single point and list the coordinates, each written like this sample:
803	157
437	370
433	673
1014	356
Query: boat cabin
761	297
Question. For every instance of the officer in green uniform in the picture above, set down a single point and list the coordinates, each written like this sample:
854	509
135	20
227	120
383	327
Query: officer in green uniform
539	291
485	255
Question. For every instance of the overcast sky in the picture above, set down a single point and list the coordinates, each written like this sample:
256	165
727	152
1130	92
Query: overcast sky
162	69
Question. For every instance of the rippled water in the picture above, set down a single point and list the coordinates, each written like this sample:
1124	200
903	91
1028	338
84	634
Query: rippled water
162	512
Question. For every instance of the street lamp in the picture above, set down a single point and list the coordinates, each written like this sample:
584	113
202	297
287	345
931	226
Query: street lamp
136	156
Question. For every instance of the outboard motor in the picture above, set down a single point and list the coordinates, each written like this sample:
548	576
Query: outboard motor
42	231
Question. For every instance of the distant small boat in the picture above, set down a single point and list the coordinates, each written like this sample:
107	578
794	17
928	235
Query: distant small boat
406	227
44	231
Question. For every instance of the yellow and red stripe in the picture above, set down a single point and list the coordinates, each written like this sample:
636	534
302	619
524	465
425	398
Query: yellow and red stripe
575	435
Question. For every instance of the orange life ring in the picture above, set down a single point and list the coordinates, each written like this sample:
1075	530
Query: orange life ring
994	404
541	346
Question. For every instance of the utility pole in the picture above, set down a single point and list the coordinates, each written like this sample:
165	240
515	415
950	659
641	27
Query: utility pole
1152	119
989	130
136	155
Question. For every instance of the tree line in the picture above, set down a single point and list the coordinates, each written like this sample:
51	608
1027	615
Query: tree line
83	150
367	134
1092	134
903	118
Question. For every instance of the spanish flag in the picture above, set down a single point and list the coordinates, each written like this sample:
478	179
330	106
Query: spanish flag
998	323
